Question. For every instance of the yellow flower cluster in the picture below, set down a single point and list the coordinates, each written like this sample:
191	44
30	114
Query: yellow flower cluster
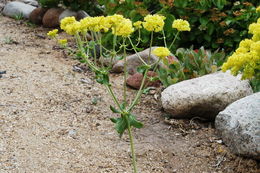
124	28
161	52
154	23
117	23
258	9
52	33
63	42
246	58
181	25
138	24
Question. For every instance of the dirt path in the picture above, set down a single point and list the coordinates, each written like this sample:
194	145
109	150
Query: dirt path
49	121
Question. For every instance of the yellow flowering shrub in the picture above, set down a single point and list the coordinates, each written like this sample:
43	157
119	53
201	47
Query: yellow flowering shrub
181	25
154	23
161	52
52	33
246	58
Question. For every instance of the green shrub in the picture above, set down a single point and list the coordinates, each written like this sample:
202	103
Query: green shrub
215	23
49	3
191	64
90	6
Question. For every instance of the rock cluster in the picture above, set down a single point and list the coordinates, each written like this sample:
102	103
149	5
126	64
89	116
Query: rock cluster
29	9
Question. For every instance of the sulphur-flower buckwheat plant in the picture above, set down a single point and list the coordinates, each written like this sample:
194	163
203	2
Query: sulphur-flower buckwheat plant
246	59
123	28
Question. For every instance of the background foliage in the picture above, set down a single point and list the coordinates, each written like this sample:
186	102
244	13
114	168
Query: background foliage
215	23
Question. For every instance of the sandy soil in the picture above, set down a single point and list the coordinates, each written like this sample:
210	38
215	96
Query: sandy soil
51	121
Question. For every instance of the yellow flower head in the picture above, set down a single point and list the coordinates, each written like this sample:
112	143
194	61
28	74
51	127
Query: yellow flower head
246	43
161	52
115	19
63	42
154	23
258	9
138	24
181	25
124	28
67	21
52	33
73	28
255	47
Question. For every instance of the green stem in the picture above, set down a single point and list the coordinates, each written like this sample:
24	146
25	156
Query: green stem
83	53
100	51
139	38
114	50
150	50
125	70
140	91
113	96
95	53
141	59
174	39
164	38
157	64
132	146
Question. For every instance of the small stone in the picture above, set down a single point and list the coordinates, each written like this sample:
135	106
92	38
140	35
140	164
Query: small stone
51	18
72	133
36	15
86	81
135	80
219	141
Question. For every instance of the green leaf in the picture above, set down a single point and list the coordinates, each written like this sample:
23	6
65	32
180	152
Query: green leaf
211	28
134	122
121	126
114	109
204	21
181	3
143	68
123	105
114	120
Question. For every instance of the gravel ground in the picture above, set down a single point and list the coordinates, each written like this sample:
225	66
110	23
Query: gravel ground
51	121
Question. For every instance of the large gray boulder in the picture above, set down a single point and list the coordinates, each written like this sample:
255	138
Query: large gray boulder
16	8
205	96
239	126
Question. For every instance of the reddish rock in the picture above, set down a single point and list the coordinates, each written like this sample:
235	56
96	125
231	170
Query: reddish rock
51	18
36	15
135	80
